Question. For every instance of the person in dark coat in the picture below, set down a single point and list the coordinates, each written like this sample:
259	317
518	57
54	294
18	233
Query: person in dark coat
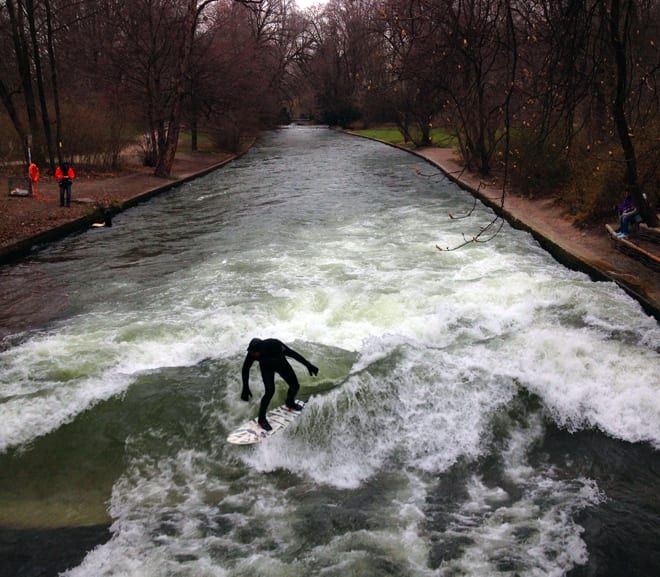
271	355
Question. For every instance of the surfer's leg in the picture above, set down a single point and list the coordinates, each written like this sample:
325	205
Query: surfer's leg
289	375
268	377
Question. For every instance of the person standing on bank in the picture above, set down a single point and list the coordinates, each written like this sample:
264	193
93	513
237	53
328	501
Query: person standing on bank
33	171
271	355
65	175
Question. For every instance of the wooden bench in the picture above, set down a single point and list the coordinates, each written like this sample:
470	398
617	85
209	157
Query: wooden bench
630	248
648	233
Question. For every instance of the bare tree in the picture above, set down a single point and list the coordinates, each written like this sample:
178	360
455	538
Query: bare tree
154	42
348	60
478	52
16	12
417	85
232	84
9	80
622	15
590	70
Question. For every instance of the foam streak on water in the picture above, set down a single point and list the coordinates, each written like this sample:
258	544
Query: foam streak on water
420	451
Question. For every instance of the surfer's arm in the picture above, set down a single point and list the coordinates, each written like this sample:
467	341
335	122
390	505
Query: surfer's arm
245	374
298	357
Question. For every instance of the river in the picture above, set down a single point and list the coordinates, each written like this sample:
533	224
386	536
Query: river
483	411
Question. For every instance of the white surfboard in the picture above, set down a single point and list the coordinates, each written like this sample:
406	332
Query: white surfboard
250	433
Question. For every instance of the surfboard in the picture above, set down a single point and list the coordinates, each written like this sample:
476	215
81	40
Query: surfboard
250	433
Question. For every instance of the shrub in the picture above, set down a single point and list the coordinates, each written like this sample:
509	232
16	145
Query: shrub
595	187
537	166
94	134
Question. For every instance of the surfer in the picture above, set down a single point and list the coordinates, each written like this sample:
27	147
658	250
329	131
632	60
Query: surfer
271	355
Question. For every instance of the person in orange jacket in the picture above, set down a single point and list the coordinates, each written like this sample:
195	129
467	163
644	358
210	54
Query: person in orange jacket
65	175
33	172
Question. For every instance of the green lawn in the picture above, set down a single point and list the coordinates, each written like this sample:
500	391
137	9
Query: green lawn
204	142
439	137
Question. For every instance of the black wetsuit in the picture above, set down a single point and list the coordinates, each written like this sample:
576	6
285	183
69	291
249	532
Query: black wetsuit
271	355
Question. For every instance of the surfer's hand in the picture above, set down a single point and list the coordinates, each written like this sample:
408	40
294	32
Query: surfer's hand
312	369
246	394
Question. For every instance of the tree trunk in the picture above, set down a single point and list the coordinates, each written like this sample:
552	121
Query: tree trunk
618	39
15	12
194	144
167	152
36	51
7	101
55	88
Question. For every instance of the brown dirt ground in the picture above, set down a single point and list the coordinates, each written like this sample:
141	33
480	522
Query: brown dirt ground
24	220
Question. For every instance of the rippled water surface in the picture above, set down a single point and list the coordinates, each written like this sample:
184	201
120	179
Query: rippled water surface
478	412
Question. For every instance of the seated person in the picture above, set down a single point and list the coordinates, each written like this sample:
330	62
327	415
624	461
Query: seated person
627	213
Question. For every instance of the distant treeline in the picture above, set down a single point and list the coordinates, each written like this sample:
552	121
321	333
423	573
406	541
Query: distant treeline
550	93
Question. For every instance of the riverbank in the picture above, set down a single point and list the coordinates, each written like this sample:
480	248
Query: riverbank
588	250
28	223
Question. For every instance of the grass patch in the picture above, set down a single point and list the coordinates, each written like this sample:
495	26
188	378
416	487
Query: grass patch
440	138
204	142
